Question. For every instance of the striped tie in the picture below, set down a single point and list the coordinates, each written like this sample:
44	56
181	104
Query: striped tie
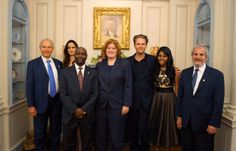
194	79
81	78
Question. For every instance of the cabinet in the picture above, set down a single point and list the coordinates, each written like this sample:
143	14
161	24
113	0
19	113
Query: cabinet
19	50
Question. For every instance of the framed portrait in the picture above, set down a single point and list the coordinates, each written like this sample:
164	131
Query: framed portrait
111	23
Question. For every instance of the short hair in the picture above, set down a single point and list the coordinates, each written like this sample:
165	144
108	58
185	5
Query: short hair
80	48
104	47
140	36
46	39
201	46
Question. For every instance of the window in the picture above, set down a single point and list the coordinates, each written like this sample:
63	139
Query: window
203	26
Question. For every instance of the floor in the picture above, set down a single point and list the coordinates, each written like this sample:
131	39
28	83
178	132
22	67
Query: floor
126	148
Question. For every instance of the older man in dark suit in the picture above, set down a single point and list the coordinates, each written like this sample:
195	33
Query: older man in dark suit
42	96
78	91
199	103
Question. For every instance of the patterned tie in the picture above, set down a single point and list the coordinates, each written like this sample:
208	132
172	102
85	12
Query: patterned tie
51	80
81	78
194	78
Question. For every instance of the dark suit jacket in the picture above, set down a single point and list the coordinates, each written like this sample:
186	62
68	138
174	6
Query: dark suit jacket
143	90
205	107
37	83
115	87
72	97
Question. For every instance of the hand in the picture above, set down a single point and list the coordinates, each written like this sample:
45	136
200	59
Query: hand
211	129
125	110
79	113
179	122
177	72
32	111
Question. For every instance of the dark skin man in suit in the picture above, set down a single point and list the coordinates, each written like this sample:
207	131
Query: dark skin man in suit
199	105
41	104
78	97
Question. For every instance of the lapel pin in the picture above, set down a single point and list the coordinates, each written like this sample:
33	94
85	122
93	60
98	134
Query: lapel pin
203	80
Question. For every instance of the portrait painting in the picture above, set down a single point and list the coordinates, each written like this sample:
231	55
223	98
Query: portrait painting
111	23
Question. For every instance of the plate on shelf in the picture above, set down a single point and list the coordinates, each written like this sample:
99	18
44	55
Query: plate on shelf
16	54
14	74
19	94
15	36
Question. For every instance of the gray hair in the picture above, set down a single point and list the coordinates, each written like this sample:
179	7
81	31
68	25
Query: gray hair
46	39
201	46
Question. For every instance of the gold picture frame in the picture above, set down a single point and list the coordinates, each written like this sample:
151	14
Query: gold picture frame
111	23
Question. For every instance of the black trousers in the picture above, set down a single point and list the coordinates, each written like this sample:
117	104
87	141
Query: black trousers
70	135
138	129
196	141
110	126
53	114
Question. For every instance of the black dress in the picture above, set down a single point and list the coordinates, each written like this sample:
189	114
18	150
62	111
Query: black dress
163	129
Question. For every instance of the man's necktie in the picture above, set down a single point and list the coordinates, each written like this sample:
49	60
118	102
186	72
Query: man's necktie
194	79
81	78
51	80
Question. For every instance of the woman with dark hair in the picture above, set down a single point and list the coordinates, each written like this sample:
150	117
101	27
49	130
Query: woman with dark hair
69	52
115	97
163	129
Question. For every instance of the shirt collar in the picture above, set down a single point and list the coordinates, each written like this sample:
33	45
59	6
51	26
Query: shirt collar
201	69
77	67
144	59
45	59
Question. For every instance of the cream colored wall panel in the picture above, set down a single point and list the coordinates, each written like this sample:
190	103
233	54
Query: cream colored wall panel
87	22
2	129
224	56
181	35
225	137
181	29
155	22
18	114
4	27
68	21
42	21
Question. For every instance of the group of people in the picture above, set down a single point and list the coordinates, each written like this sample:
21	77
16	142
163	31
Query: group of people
143	95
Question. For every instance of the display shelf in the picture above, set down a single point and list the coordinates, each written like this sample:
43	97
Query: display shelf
19	50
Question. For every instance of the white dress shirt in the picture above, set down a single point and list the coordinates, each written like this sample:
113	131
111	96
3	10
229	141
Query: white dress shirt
77	69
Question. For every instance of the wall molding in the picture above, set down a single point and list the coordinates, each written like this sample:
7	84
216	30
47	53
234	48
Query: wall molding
229	116
17	106
11	109
18	146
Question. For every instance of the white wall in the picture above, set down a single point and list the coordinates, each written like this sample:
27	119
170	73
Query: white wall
166	22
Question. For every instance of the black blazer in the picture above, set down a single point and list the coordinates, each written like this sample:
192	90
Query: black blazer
205	106
115	87
72	97
143	90
37	83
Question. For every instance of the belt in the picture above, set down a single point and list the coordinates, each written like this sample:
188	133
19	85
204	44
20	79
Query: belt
49	96
158	89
